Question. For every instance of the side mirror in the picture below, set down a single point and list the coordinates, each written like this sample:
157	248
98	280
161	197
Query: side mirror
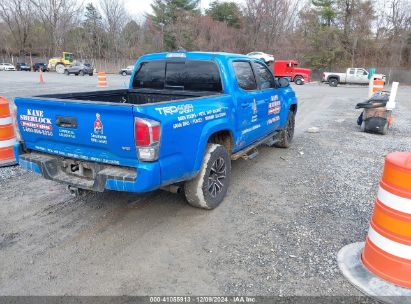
284	82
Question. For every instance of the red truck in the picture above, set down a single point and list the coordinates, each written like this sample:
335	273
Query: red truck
289	68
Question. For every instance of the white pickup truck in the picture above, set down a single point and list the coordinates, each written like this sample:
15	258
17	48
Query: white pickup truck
352	75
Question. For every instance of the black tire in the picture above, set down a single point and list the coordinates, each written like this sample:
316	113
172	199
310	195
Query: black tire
90	74
362	126
298	80
333	82
208	189
81	73
66	72
124	73
384	130
286	135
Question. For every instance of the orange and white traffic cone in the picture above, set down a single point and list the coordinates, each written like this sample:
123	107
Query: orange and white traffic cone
102	80
7	136
41	76
378	86
382	267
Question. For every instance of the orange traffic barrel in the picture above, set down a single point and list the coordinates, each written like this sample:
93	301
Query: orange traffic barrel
7	136
378	85
382	266
102	79
387	251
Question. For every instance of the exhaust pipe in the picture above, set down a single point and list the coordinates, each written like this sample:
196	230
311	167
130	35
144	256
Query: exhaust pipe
173	189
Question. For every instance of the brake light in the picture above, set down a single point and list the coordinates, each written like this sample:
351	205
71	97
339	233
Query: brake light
156	133
147	138
142	133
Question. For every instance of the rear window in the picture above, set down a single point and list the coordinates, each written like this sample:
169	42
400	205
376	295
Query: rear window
190	75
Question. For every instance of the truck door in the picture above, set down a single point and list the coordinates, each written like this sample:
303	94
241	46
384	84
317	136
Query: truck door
362	76
351	76
269	94
251	106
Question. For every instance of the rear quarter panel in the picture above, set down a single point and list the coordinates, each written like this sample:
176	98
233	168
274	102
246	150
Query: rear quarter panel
185	128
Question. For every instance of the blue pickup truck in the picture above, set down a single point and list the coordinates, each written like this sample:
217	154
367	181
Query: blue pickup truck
177	127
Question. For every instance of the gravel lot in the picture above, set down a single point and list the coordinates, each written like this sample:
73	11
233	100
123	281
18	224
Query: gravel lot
286	215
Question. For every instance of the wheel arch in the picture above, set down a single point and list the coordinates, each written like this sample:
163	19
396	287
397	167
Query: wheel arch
293	108
224	138
217	133
332	76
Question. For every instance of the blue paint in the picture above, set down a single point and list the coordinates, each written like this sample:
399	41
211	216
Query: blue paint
181	149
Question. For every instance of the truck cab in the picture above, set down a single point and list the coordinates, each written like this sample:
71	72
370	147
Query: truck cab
290	69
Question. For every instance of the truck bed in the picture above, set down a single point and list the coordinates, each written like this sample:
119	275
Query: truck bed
130	96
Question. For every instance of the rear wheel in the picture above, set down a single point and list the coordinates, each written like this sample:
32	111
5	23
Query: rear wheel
208	189
363	126
298	80
384	130
287	134
333	82
124	73
66	72
90	74
60	68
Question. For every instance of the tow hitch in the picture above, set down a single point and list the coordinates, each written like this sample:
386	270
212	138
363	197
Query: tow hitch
77	192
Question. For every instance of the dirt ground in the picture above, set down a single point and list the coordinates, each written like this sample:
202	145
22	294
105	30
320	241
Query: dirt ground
286	215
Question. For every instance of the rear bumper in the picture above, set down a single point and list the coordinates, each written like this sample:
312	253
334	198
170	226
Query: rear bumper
146	177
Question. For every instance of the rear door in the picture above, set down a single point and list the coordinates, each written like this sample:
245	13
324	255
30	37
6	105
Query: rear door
93	131
362	76
269	94
251	105
351	78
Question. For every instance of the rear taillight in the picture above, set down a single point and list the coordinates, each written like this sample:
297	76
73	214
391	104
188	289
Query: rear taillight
147	136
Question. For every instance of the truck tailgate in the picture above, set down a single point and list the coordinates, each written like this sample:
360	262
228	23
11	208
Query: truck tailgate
92	131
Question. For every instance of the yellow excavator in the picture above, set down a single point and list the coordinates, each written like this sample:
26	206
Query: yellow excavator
59	64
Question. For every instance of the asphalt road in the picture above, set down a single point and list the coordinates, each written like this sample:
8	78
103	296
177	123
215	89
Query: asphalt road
286	214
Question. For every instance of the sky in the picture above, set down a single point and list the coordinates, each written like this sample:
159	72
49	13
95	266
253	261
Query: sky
138	8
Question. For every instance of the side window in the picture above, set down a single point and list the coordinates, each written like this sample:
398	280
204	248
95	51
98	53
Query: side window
265	78
150	75
360	72
244	75
352	71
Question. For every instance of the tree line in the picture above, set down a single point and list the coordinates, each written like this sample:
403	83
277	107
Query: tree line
321	34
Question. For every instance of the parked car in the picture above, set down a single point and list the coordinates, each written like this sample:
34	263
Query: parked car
7	67
263	56
79	68
351	76
22	67
177	127
290	69
40	66
127	71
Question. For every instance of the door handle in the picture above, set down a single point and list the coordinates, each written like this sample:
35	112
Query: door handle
66	122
